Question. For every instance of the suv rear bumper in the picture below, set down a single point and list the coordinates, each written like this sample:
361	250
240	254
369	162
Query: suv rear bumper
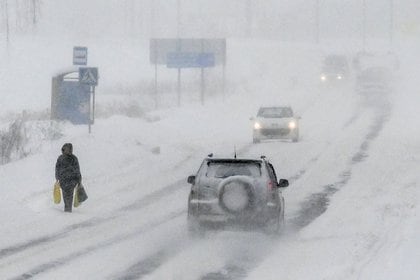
210	211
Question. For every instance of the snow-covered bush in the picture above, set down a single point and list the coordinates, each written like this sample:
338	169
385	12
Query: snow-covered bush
12	142
23	137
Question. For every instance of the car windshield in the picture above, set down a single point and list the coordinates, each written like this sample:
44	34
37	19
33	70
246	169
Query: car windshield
334	64
227	169
275	112
333	69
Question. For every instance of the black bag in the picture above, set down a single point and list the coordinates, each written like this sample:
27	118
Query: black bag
81	193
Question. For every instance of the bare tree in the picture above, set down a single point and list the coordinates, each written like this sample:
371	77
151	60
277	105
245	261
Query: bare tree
34	12
6	20
19	15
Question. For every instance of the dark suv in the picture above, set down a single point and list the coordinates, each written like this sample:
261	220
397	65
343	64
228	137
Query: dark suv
236	192
334	68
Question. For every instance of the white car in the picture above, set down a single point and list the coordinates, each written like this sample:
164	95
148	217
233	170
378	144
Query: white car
275	123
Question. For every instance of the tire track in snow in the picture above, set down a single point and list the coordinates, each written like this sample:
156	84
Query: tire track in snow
318	203
18	248
149	264
303	171
230	271
46	267
245	258
144	267
93	222
380	242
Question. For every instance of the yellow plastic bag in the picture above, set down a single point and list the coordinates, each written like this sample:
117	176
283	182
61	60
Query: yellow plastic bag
76	197
57	193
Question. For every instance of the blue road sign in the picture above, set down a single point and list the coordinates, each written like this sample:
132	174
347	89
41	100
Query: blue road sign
189	60
88	76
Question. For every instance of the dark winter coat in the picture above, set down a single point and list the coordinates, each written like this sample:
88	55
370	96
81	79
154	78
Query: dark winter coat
67	171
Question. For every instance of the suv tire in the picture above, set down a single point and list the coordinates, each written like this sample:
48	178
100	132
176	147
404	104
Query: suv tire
238	186
296	137
275	225
194	227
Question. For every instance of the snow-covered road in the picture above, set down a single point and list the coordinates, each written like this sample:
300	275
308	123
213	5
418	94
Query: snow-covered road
351	204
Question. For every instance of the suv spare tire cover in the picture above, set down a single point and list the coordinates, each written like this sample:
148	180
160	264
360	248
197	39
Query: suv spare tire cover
236	194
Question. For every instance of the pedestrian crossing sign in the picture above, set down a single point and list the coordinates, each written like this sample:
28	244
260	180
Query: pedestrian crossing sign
88	75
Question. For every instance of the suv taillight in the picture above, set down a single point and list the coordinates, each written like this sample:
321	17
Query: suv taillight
270	186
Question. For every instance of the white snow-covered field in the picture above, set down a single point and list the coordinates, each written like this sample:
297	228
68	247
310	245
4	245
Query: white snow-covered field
352	208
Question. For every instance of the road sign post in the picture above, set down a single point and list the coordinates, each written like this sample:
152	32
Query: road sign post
181	60
89	76
224	81
92	114
188	53
156	88
179	87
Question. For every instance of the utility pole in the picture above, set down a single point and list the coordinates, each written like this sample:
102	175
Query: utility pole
154	48
248	15
391	22
6	15
152	18
317	21
178	17
203	86
34	11
178	32
364	25
131	18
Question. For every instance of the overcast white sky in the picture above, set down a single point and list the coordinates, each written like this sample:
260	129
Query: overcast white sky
288	19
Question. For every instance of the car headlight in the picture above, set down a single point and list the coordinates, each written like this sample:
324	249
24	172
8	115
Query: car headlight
257	125
339	77
323	78
292	125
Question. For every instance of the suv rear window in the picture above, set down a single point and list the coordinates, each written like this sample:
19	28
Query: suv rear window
227	169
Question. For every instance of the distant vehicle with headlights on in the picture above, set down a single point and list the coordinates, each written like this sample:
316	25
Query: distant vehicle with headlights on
275	123
236	193
335	68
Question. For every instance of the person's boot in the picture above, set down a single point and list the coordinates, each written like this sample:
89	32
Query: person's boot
67	204
67	209
68	200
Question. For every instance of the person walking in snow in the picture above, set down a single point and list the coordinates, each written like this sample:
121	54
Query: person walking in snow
67	173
